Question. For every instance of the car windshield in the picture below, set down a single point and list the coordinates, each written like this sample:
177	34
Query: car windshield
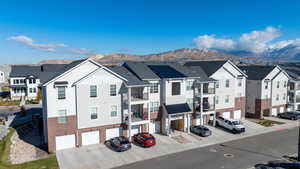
236	122
123	140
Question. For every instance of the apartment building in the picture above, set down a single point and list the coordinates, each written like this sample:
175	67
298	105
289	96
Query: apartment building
24	80
266	90
293	86
230	87
175	93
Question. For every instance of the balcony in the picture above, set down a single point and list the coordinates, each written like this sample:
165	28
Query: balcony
139	113
209	91
139	94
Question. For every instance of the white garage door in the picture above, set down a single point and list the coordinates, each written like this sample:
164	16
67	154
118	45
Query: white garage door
281	109
237	114
198	121
63	142
274	112
135	129
89	138
226	115
113	132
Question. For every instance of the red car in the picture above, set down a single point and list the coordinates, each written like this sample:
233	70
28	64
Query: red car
144	139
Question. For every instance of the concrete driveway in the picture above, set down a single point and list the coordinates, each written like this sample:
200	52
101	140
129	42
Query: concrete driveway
100	157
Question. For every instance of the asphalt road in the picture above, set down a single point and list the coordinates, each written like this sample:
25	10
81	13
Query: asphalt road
239	154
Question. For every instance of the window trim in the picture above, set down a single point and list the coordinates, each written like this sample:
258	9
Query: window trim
111	111
58	96
153	108
154	88
110	90
91	113
227	99
227	85
176	92
60	116
93	92
189	85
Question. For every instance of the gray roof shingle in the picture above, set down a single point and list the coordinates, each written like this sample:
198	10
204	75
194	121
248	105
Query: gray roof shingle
256	72
132	80
178	108
209	67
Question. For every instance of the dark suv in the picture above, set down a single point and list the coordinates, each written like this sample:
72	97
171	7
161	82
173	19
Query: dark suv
293	115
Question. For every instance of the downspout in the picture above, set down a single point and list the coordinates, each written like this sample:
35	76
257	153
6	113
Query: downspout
129	113
76	108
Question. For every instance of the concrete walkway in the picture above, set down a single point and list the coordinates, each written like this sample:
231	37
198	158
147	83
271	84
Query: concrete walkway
100	157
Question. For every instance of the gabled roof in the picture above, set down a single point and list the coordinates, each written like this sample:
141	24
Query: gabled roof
209	67
141	70
166	71
292	71
256	72
132	80
24	71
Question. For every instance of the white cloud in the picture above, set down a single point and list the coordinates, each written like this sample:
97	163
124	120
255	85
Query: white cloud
209	41
256	41
50	47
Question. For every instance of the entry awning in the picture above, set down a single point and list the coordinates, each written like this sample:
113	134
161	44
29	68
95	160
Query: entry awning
178	108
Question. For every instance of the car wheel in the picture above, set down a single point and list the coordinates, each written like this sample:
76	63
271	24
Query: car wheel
293	118
234	131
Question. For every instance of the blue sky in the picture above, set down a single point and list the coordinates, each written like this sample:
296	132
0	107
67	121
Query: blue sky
31	31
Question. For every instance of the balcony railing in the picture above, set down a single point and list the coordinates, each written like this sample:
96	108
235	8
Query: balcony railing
138	116
209	91
206	107
139	97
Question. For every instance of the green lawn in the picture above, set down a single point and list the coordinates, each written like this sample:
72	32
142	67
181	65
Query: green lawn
47	163
9	103
269	123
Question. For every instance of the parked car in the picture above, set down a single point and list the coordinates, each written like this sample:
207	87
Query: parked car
200	130
144	139
284	164
293	115
119	143
235	126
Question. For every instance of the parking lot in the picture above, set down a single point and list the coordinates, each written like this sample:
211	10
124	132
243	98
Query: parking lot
99	156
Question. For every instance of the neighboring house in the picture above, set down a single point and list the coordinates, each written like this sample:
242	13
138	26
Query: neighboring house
293	86
230	87
2	77
266	90
4	74
25	79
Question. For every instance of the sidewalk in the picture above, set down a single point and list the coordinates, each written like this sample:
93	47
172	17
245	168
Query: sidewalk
100	157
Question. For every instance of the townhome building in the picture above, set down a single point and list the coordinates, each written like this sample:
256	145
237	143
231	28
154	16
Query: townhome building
230	87
24	80
267	88
4	74
175	94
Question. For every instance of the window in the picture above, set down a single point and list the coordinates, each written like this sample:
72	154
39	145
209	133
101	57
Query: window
277	97
22	81
30	81
239	94
239	82
266	85
190	102
176	88
113	90
217	84
93	91
34	90
61	92
16	81
189	85
283	98
217	99
278	84
30	90
227	99
284	84
227	83
114	111
94	113
154	106
154	88
62	116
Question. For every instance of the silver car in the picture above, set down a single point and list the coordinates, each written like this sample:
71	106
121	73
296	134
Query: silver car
201	130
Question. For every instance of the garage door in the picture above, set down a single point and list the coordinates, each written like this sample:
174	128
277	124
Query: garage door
226	115
281	109
113	132
274	112
89	138
237	114
135	129
66	141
